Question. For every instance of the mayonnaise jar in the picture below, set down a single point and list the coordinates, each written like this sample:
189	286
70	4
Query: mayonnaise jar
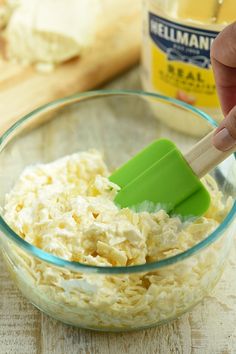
177	37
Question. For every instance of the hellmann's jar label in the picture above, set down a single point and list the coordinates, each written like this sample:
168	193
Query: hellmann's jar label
180	61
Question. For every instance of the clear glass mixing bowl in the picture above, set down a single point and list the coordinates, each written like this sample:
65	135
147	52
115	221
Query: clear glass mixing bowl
119	124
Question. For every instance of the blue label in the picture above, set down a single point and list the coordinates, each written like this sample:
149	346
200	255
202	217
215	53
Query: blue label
182	43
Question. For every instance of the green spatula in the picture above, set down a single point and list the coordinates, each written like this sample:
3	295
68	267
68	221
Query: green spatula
161	176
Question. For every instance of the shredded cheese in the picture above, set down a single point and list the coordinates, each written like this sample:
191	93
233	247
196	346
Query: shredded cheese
66	208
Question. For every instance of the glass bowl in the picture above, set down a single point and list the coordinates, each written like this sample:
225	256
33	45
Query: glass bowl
118	123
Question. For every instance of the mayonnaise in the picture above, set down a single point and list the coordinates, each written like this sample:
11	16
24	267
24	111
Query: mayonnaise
177	37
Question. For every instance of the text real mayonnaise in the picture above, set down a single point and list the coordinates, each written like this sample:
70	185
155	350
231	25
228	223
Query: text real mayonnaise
177	37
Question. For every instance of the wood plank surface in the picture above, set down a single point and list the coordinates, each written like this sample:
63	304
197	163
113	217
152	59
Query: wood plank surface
117	48
210	328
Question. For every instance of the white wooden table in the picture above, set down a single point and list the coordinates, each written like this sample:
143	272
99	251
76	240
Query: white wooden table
210	328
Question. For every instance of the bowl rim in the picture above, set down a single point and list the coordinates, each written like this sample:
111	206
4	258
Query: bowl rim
77	266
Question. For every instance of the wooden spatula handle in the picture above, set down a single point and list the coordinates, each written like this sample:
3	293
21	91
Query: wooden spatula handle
204	156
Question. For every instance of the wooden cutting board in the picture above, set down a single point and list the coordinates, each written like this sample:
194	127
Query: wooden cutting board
117	48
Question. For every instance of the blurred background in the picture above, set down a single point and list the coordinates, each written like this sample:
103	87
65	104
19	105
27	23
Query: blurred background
50	49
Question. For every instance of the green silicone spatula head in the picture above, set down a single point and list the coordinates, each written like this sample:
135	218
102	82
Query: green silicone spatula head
160	176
